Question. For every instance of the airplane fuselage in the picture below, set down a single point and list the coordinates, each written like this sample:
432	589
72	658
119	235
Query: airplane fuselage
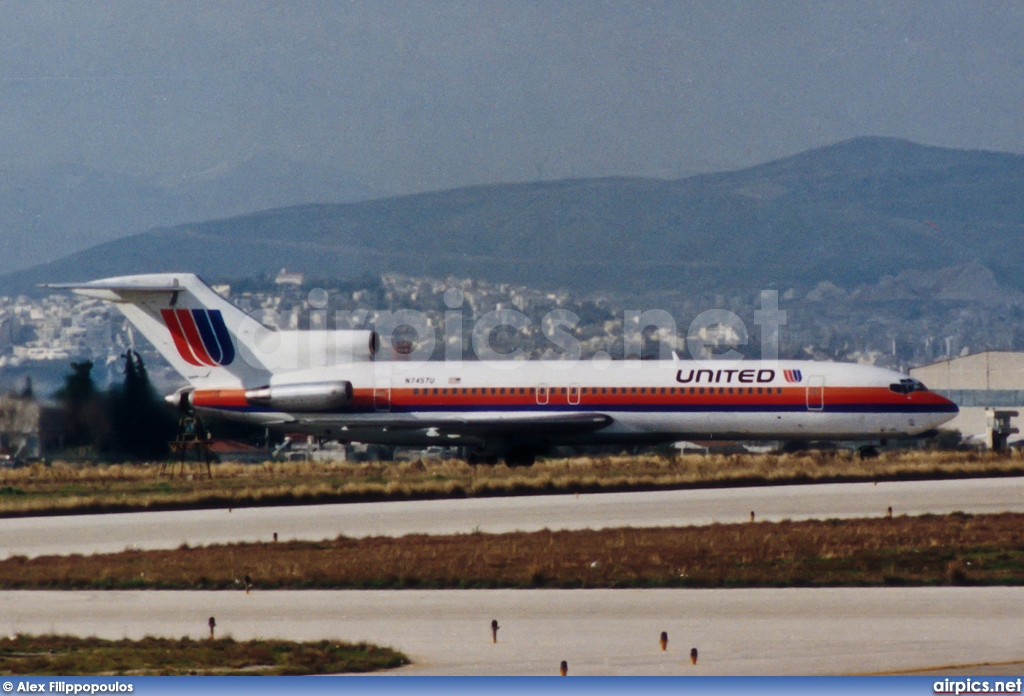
332	384
646	401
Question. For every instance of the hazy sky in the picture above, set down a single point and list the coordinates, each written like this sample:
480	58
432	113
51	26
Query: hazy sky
414	96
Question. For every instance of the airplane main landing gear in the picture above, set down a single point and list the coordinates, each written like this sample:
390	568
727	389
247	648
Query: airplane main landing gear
520	456
514	456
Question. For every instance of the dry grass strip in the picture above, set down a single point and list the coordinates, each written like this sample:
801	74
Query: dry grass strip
926	550
67	488
71	656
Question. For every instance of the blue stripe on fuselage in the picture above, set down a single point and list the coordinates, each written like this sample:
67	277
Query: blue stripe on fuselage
639	408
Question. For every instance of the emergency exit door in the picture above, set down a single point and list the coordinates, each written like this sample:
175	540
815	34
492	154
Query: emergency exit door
815	393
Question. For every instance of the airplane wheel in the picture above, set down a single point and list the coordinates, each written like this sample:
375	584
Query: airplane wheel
520	456
868	452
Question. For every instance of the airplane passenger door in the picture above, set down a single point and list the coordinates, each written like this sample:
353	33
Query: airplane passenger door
815	393
574	395
542	395
382	394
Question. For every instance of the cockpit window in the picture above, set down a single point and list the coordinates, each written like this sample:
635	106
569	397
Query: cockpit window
907	386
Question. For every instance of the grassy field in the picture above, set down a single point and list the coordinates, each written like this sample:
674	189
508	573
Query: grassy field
926	550
23	655
64	488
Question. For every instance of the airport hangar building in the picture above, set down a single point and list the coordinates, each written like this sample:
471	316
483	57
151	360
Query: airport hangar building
988	387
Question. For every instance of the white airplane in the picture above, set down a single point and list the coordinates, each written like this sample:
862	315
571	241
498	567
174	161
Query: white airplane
327	383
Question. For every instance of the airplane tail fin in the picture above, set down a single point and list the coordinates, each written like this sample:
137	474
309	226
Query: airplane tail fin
204	337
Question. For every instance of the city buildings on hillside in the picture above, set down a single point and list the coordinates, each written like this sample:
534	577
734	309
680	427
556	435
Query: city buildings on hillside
883	325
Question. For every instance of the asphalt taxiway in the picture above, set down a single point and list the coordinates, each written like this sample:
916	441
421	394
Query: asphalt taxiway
597	632
85	534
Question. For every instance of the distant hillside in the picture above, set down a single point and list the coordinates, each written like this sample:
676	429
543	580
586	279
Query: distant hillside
848	213
69	206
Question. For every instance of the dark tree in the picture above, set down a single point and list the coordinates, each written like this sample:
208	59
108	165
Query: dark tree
78	386
83	421
141	422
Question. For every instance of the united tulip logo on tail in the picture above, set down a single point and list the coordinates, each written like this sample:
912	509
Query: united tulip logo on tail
792	375
200	336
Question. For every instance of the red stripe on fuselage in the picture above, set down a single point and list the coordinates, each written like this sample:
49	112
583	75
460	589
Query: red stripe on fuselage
483	399
179	339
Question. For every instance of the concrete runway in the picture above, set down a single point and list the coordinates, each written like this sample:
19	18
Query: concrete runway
87	534
598	632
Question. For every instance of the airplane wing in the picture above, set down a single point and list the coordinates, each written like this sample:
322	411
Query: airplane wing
470	424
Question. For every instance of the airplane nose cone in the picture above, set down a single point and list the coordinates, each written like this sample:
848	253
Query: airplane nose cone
931	400
942	409
948	405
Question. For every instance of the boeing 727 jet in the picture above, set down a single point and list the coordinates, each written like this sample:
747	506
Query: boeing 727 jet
328	384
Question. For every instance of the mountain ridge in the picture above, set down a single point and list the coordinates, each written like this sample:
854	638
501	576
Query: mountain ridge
73	206
847	213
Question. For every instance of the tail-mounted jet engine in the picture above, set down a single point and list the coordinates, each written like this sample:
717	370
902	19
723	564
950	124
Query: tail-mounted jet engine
308	397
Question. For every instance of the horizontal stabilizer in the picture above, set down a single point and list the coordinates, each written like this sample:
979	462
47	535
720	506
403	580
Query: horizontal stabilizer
104	285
